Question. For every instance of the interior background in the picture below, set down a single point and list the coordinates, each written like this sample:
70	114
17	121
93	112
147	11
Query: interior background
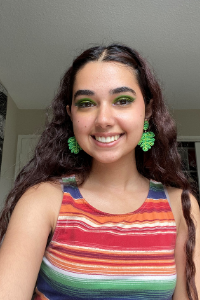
39	39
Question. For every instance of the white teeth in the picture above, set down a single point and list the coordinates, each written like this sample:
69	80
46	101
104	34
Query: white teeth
107	139
112	138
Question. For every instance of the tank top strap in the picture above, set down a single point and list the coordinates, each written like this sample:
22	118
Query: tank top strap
158	191
68	181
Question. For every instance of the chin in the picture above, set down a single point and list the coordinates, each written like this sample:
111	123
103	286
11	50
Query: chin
106	160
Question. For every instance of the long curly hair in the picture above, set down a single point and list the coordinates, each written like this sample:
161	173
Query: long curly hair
52	159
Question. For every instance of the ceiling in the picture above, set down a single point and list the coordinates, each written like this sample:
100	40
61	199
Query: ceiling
39	40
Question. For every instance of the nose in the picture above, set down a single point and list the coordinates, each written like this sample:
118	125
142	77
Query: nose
105	116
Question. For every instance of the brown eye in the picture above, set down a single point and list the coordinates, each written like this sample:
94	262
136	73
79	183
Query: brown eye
123	101
84	103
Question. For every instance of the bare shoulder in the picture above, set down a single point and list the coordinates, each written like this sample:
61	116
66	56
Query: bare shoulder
176	203
32	220
43	189
46	196
42	200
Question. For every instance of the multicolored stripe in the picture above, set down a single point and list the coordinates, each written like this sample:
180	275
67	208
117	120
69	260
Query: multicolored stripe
96	255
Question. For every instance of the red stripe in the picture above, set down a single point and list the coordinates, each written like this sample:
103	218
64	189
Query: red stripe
108	240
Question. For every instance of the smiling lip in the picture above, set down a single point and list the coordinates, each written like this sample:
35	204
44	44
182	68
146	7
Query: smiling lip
106	139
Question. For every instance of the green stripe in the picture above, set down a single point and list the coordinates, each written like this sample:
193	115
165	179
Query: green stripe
156	186
105	284
69	180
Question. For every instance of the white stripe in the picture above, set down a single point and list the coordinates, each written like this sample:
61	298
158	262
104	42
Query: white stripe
122	225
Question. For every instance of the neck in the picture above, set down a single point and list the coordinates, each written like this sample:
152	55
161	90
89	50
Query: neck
119	174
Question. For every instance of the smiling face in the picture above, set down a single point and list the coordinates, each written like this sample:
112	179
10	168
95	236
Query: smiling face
107	111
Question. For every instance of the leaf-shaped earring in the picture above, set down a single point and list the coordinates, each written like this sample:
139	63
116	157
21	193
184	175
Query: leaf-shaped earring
73	145
147	140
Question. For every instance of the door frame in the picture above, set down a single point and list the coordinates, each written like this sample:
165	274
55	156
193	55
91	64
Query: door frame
195	139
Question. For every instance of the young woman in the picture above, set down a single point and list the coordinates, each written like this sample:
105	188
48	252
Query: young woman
103	210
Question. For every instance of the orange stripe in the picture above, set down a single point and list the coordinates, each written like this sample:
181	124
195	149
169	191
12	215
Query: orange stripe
69	210
129	270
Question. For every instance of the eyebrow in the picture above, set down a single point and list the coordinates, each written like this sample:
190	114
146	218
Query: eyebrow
122	90
83	93
118	90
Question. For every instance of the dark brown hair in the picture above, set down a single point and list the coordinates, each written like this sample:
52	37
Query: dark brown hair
52	158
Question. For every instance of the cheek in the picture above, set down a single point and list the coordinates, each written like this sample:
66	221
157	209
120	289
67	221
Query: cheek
132	121
80	125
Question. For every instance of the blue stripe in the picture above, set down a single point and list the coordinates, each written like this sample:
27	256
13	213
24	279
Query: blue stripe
77	294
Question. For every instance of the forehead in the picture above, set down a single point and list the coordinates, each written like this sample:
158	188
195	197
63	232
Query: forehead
100	74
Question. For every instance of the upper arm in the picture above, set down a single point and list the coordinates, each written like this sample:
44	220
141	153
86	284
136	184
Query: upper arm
24	244
182	235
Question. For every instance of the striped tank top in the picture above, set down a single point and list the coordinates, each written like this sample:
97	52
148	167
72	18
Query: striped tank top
97	255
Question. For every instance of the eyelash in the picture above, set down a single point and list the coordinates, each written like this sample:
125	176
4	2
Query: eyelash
84	103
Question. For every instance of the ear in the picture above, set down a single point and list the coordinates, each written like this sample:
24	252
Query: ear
69	112
148	109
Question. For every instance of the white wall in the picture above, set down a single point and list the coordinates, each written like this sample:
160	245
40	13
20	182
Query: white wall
30	121
188	122
18	122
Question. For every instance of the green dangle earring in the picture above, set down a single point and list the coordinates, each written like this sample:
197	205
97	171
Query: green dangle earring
73	145
147	140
